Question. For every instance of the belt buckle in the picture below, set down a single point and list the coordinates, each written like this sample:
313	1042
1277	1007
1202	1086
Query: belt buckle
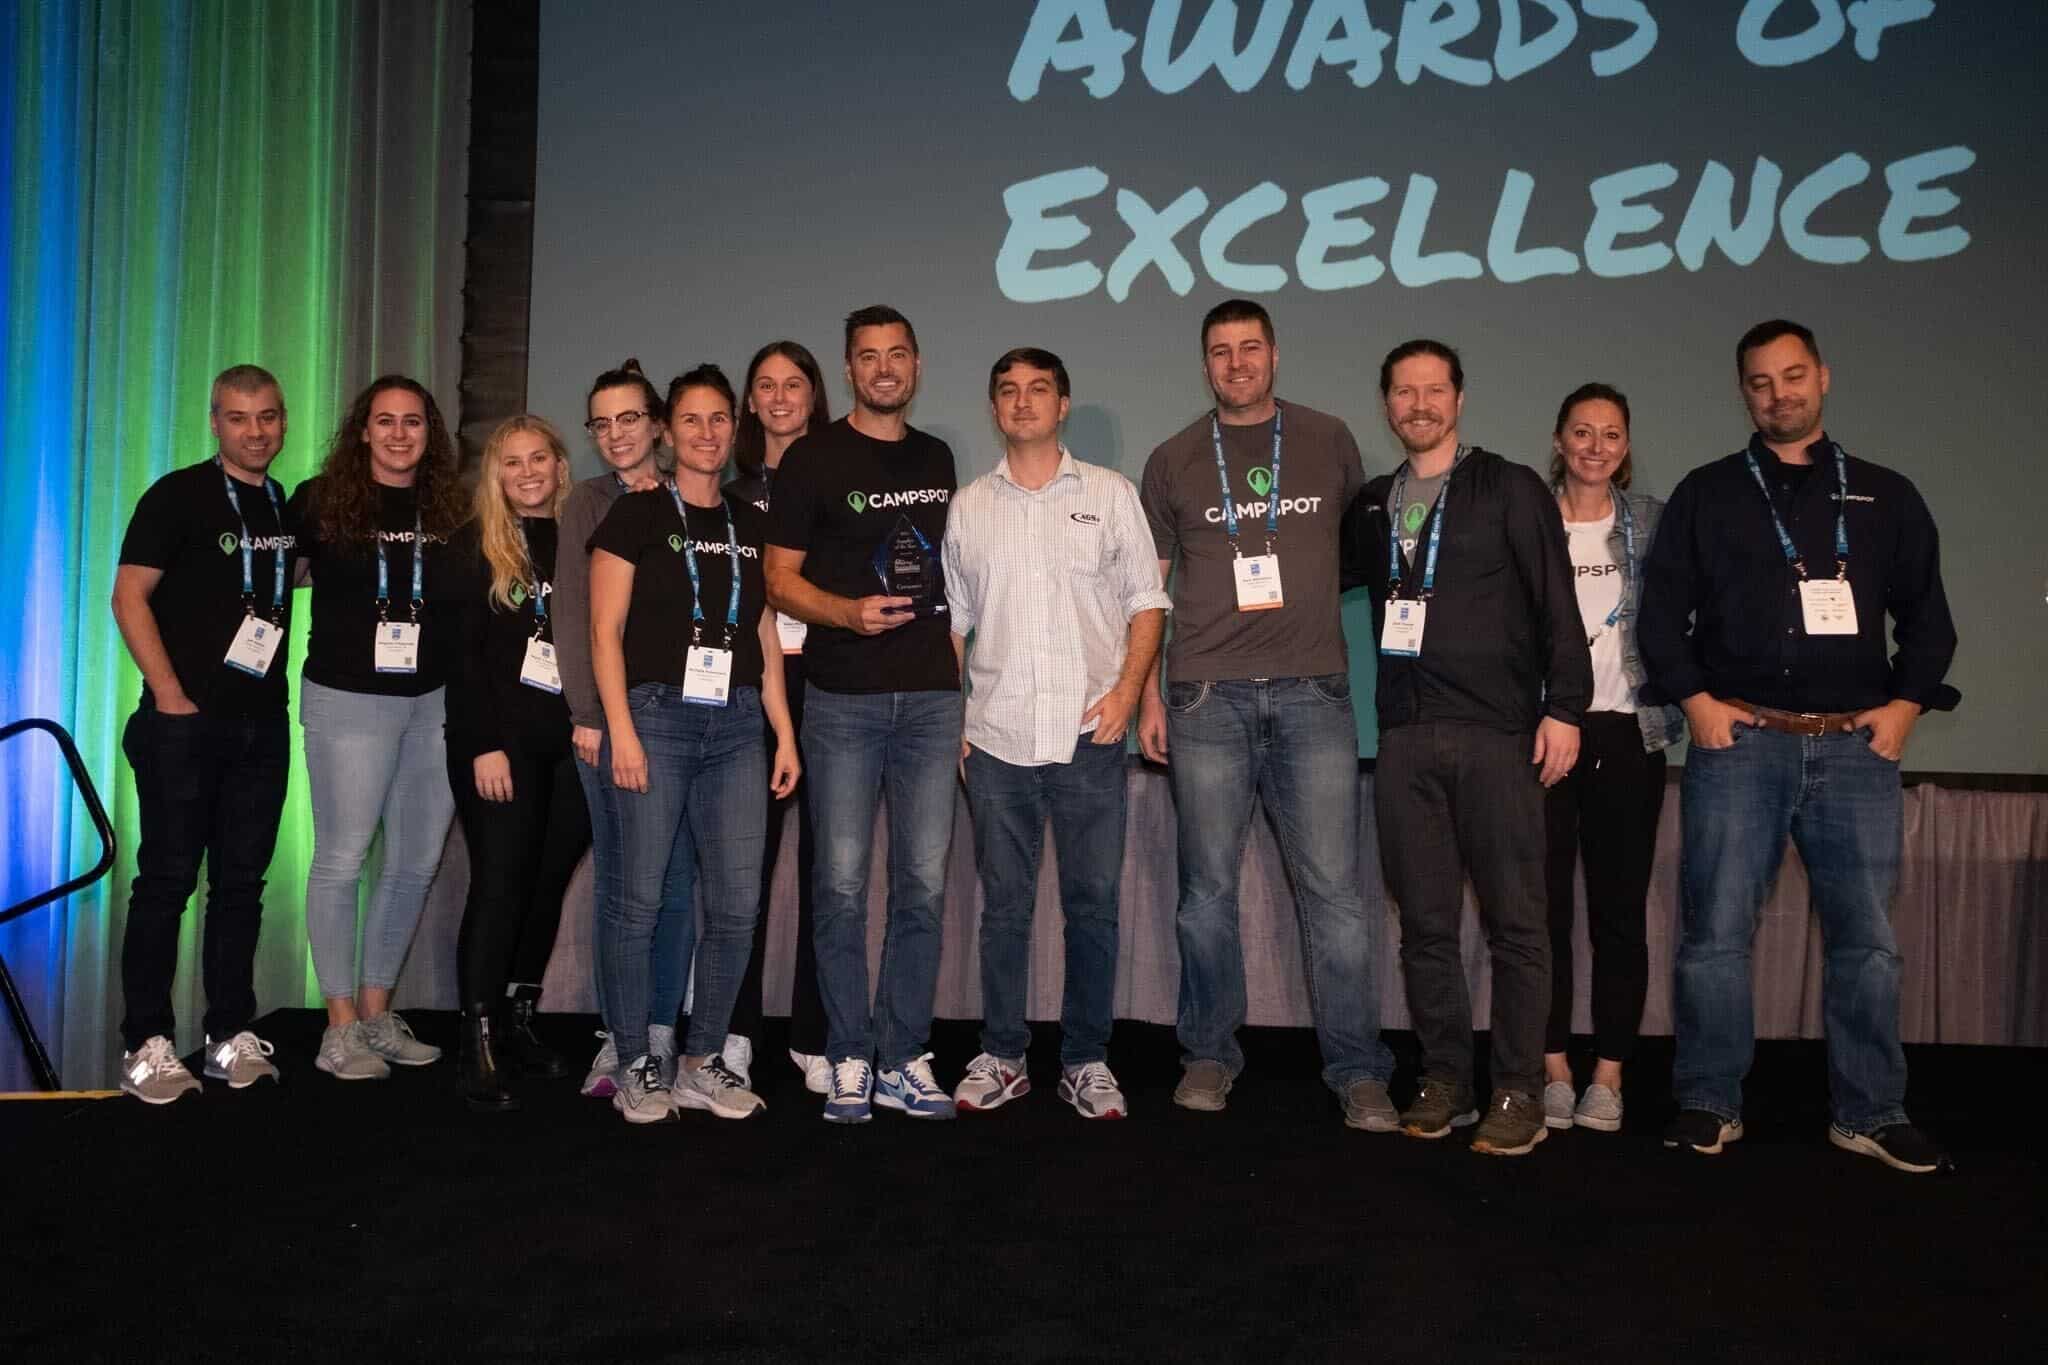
1811	723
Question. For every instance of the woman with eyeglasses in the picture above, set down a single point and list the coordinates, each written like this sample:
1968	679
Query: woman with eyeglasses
509	761
685	696
782	399
627	426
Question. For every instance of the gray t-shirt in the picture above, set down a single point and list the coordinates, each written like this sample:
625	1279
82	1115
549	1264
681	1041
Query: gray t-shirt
1417	497
588	503
1320	472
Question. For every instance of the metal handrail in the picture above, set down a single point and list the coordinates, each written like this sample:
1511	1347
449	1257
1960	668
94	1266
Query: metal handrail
38	1059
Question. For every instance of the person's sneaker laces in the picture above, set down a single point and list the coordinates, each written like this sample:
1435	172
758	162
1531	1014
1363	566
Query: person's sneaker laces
642	1096
241	1060
1900	1146
345	1054
1702	1131
912	1089
1512	1127
1367	1106
661	1045
817	1071
853	1080
1558	1104
1204	1085
718	1088
1439	1107
1599	1109
153	1074
390	1037
991	1082
1092	1089
738	1056
598	1083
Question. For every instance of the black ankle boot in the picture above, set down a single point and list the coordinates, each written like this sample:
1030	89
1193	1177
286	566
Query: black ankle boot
477	1074
520	1047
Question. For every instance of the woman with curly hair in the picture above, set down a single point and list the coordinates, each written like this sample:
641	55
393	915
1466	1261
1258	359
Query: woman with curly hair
371	702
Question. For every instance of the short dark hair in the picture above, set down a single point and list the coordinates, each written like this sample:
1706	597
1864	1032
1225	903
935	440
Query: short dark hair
749	437
1236	310
705	376
1038	359
877	315
1625	472
1764	333
1408	350
627	375
243	379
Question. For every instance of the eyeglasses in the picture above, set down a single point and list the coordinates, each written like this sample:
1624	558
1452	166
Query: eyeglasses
627	422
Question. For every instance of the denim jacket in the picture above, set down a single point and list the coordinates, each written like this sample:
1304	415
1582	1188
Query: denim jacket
1662	726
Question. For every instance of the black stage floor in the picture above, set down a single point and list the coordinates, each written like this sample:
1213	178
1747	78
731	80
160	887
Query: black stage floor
382	1222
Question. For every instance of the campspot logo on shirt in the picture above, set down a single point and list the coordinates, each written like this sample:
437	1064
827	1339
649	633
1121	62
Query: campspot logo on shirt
711	547
229	543
1250	510
911	497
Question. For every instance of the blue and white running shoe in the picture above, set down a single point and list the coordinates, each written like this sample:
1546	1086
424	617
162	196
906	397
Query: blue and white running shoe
912	1089
853	1080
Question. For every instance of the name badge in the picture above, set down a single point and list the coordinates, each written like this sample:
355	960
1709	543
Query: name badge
1828	605
398	647
1402	634
540	669
1258	582
707	676
792	632
254	646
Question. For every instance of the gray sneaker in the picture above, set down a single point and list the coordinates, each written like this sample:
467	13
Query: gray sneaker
661	1045
241	1061
1599	1109
1204	1085
1558	1100
390	1037
598	1083
1512	1127
153	1074
738	1055
345	1054
1440	1107
714	1086
642	1095
1367	1106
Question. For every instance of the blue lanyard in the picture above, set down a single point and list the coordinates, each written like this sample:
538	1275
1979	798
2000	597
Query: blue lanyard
540	597
1436	529
732	598
249	555
419	571
1792	555
1230	503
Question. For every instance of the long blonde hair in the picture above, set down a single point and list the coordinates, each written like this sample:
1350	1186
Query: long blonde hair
497	524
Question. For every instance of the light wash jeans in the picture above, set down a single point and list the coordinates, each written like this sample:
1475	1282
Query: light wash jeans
673	927
371	761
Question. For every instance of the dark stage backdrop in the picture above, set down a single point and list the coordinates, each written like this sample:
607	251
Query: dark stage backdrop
1602	190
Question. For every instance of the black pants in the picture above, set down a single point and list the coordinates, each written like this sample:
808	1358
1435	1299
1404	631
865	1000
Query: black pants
1607	809
1453	801
207	787
806	1009
522	853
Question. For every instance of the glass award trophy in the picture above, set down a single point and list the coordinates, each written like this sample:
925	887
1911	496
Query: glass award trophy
905	563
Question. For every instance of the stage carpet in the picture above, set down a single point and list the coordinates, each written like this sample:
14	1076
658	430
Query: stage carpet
383	1222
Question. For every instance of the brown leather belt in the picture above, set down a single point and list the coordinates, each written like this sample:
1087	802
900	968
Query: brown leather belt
1800	722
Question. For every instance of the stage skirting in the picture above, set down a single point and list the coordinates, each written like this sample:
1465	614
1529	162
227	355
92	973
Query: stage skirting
1971	919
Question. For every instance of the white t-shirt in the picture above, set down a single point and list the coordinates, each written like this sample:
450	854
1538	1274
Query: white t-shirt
1598	579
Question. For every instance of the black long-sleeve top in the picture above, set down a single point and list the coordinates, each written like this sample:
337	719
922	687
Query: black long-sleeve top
1504	646
1721	610
488	707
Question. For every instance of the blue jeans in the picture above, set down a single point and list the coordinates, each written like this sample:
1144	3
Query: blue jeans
1840	803
858	746
706	791
672	927
371	761
1291	742
1085	799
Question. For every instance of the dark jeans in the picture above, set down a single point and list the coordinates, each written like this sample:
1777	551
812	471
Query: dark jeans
1459	800
1840	803
1010	804
1606	808
806	1008
522	853
207	787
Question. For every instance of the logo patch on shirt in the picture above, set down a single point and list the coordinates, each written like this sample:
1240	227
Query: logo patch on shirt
228	542
676	543
1086	518
857	501
1260	479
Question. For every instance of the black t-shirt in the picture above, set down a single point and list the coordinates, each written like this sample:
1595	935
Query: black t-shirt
340	650
184	526
838	495
644	530
489	707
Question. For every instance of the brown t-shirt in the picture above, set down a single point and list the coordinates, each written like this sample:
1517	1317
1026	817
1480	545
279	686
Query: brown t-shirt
1320	471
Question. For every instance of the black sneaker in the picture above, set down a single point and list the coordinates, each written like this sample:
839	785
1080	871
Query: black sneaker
1703	1132
1900	1146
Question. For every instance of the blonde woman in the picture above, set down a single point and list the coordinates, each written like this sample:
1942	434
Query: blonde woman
510	763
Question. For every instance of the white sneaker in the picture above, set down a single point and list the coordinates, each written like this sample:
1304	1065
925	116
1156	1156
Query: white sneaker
599	1083
739	1058
990	1082
153	1074
817	1071
714	1086
1092	1089
241	1061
